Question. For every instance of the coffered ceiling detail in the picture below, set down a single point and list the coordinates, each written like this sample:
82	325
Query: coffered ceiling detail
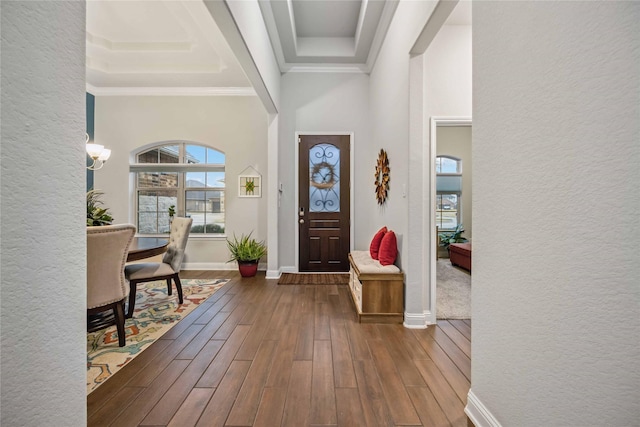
142	44
325	34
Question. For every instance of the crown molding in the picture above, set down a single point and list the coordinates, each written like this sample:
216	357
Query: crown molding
170	91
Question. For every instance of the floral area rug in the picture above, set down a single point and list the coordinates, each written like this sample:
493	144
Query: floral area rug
155	313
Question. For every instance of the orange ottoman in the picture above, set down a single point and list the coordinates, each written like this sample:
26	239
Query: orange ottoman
460	255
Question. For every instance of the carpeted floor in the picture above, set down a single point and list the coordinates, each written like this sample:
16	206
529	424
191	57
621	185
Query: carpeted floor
154	315
453	291
314	279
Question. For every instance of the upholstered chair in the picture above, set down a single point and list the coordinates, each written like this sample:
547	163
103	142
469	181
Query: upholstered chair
168	269
107	287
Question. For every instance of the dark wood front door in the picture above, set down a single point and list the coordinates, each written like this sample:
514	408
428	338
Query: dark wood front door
323	214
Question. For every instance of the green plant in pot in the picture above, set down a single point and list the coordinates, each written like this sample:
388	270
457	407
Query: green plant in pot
97	215
247	252
447	238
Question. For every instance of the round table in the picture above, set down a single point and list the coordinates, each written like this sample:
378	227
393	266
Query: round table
146	247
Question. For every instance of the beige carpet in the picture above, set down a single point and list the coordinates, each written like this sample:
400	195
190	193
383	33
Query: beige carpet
314	279
453	291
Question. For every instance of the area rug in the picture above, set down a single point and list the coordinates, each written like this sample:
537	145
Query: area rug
155	314
453	291
314	279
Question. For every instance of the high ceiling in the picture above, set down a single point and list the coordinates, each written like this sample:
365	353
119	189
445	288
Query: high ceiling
333	33
135	46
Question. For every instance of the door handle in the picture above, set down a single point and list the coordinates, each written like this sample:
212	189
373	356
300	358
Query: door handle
301	221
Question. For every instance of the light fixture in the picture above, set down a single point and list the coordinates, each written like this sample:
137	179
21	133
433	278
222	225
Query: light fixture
98	153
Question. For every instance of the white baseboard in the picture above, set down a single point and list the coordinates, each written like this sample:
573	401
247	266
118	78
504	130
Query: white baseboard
216	266
209	266
273	274
415	320
479	415
289	269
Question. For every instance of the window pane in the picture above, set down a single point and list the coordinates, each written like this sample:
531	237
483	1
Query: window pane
449	165
150	156
170	154
215	179
195	154
447	211
153	210
206	208
158	179
196	179
214	156
324	178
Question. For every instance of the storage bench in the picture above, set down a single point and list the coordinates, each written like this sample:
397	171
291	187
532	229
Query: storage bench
377	290
460	255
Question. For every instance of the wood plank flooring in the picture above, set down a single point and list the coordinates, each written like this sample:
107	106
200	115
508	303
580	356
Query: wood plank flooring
260	354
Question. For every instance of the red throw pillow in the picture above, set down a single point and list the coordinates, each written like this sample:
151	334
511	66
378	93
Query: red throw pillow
388	249
374	247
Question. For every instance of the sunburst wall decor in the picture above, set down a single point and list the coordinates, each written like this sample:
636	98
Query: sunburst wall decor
382	177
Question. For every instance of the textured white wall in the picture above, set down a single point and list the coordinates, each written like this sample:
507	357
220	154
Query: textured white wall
236	126
322	102
389	105
43	299
556	309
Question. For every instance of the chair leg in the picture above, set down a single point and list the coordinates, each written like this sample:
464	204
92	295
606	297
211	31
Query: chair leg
132	298
169	288
118	312
176	279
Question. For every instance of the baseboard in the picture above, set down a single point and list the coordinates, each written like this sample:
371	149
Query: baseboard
288	269
209	266
479	415
216	266
273	274
415	320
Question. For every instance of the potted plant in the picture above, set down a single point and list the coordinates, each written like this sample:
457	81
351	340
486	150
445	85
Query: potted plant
452	237
172	213
97	215
246	251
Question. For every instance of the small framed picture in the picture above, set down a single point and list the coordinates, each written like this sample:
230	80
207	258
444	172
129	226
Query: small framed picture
250	186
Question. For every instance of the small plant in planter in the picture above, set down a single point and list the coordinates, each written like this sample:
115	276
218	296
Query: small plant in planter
97	215
452	237
247	252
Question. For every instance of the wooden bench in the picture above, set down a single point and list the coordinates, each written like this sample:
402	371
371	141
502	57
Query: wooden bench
377	290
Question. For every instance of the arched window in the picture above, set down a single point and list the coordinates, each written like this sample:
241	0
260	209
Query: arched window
448	192
186	176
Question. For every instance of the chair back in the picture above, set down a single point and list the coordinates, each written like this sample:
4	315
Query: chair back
107	248
178	236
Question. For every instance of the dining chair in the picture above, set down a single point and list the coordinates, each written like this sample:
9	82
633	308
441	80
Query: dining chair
168	269
107	287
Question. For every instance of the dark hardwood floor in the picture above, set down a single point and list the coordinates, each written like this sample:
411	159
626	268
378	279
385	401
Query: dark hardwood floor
261	354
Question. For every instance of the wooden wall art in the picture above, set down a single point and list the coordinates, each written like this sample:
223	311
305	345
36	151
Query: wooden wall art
382	177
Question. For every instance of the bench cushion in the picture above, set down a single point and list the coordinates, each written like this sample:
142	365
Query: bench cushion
368	265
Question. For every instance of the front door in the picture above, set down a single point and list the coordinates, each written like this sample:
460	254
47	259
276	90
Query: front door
323	214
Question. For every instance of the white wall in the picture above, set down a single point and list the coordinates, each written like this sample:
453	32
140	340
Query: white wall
43	246
389	104
556	309
236	126
323	102
248	18
448	73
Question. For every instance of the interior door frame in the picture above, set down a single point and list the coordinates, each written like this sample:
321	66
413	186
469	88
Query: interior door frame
297	188
435	122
